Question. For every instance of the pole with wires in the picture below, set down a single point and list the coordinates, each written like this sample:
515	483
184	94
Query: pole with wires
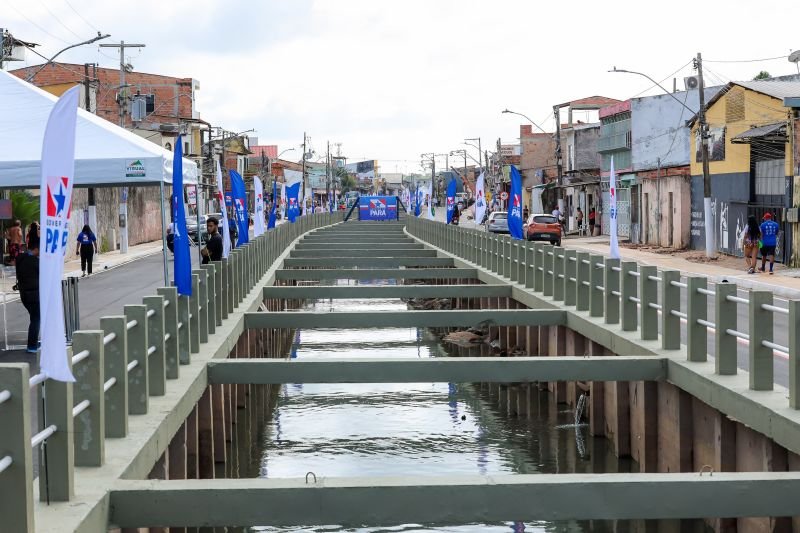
711	247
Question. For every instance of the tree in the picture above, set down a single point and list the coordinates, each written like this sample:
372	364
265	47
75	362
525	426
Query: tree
348	182
24	207
763	75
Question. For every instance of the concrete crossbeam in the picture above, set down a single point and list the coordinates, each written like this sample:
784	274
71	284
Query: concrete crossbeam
405	245
436	370
377	273
368	262
452	500
331	253
388	291
405	319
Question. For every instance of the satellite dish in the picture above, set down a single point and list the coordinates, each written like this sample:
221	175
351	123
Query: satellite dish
794	57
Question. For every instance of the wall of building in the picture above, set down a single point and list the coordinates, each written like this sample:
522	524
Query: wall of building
658	129
730	178
144	201
538	155
659	228
586	156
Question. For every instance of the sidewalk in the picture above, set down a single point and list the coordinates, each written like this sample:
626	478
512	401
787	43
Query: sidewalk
783	283
72	268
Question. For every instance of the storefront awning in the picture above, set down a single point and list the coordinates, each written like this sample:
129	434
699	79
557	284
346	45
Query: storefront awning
770	132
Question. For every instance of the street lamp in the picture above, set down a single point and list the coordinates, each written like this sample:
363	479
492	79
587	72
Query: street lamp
89	41
711	247
526	117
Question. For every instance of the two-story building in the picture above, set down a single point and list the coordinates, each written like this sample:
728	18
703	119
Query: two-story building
155	107
750	161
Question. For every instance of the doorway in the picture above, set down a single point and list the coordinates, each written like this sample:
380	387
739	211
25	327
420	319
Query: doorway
670	226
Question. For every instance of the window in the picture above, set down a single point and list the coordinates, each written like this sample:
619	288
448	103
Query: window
769	177
545	219
150	103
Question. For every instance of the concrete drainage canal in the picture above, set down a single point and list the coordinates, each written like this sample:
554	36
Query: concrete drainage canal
419	429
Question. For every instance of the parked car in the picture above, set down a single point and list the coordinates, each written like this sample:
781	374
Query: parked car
543	227
497	222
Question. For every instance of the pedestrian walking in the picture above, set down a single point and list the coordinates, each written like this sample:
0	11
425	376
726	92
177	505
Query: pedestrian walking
592	221
559	218
750	240
579	219
87	247
14	237
769	240
28	284
213	249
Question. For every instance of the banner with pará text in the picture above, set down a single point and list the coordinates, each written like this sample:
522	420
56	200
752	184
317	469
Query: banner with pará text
240	208
515	206
58	173
258	207
451	199
226	232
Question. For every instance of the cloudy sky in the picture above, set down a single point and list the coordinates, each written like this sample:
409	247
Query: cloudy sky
391	79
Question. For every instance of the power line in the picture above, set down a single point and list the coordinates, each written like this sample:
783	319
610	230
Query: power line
36	25
81	16
745	60
59	20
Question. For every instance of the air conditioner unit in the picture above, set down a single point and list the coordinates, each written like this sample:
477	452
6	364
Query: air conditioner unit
691	83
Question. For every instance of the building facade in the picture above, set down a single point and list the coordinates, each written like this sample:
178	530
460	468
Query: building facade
750	162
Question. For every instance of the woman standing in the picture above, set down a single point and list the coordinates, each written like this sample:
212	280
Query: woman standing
87	246
750	239
32	236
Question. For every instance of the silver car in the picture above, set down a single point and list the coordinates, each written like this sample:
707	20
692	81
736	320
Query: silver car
497	222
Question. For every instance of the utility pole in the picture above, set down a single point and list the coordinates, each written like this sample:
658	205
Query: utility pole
711	246
87	101
123	100
559	162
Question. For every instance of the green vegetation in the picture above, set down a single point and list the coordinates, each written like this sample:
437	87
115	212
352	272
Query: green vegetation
763	75
24	207
347	181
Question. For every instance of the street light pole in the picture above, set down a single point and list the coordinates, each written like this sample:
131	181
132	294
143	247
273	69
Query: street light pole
89	41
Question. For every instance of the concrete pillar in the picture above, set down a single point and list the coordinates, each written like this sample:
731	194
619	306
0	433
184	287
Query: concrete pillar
532	340
757	453
16	484
617	415
674	429
137	347
157	363
160	471
171	318
713	444
89	437
644	424
557	348
574	346
218	408
192	451
205	435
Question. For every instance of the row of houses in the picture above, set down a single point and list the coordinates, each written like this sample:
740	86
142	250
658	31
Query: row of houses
754	153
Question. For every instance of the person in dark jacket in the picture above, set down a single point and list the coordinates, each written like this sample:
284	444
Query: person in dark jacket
213	249
87	247
28	284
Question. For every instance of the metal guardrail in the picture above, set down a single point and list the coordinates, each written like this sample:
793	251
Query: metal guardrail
628	294
137	353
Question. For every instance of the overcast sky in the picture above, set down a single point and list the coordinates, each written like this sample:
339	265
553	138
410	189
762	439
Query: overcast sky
392	79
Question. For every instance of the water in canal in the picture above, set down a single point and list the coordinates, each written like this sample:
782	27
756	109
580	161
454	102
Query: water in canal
430	429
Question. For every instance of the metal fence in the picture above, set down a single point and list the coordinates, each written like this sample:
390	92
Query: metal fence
627	294
117	369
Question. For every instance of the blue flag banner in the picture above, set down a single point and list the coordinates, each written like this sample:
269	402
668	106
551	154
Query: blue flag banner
377	207
272	217
418	203
451	199
515	204
240	208
183	261
292	198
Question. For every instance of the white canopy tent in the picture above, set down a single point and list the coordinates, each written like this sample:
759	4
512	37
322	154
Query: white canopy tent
105	154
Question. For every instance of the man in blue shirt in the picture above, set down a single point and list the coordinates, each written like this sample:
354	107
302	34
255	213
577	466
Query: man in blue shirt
769	239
